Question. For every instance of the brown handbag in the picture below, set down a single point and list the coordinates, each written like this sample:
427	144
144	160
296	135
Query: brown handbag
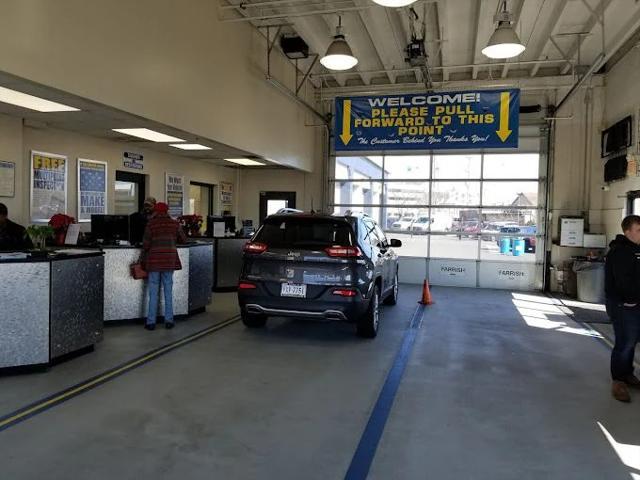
138	272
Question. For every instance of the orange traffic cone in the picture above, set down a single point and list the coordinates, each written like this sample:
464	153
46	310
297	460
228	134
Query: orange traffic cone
426	294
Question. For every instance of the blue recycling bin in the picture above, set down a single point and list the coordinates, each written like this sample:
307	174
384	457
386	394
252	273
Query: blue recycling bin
505	246
518	247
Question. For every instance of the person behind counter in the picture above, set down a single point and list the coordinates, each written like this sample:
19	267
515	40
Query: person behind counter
160	258
12	235
138	221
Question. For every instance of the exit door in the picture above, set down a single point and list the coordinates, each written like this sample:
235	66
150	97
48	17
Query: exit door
271	202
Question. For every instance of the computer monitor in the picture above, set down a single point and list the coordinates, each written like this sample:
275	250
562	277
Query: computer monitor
229	223
110	228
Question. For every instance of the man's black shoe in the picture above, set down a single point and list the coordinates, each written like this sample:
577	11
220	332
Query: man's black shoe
149	327
169	325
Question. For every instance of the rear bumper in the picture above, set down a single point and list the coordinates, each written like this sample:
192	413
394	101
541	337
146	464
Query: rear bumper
278	312
328	307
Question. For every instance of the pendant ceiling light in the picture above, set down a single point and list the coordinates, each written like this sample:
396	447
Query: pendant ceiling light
504	43
394	3
339	55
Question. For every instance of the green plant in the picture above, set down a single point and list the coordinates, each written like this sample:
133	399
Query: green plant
39	234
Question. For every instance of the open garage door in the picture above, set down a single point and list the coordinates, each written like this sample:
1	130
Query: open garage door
465	219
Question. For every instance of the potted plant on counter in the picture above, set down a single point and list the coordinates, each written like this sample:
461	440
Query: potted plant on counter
60	223
39	235
191	224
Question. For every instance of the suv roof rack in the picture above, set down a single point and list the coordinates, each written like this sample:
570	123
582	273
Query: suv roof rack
351	213
284	211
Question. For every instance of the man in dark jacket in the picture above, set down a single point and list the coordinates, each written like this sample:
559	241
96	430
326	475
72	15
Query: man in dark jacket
622	287
161	260
138	221
12	235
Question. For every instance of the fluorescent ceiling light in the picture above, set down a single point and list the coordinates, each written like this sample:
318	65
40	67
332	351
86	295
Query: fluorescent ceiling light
245	161
25	100
190	146
148	134
394	3
339	55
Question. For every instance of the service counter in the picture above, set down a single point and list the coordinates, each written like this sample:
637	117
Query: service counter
227	260
127	299
50	306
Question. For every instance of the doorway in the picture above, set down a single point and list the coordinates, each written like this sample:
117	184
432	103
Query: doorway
271	202
201	197
130	192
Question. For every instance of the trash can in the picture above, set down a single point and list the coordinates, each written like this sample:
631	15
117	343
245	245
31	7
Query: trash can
518	247
590	281
505	246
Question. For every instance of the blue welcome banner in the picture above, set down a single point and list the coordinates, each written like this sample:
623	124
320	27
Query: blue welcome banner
428	121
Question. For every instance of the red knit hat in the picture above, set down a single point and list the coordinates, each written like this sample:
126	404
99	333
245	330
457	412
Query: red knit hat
161	207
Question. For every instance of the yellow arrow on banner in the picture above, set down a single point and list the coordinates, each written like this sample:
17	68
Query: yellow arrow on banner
504	131
346	136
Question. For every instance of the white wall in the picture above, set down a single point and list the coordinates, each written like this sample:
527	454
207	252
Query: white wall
169	61
18	141
579	169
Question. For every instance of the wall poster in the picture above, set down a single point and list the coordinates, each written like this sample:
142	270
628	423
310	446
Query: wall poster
48	185
92	189
175	194
226	195
7	179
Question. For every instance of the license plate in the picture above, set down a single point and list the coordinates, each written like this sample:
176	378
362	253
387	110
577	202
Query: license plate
293	290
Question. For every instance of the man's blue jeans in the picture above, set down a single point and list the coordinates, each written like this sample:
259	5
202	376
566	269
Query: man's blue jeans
626	326
155	278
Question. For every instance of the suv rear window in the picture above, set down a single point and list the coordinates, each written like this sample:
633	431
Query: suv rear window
300	232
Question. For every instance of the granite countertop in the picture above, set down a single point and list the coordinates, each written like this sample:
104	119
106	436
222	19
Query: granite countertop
53	256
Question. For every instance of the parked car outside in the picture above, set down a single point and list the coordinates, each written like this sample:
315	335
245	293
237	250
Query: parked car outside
404	224
319	267
421	225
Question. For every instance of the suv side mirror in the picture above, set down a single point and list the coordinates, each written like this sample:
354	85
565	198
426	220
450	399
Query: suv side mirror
394	243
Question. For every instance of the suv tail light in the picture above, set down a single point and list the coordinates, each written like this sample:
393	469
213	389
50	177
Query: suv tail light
345	292
257	248
343	252
246	286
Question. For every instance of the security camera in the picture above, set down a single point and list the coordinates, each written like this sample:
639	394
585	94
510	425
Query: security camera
605	188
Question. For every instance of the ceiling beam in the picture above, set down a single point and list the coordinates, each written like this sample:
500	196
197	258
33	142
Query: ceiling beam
546	32
516	11
442	16
552	83
594	20
376	22
483	30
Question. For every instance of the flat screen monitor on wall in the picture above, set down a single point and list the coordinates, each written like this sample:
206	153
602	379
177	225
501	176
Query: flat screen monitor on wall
617	137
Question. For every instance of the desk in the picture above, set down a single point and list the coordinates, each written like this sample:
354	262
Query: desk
51	306
128	299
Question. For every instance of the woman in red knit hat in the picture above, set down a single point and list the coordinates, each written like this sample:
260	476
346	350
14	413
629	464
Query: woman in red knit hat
161	259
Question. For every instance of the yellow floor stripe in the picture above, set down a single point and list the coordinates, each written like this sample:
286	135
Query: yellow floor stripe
113	373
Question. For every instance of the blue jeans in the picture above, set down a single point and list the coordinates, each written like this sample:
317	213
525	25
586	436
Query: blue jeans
155	278
626	326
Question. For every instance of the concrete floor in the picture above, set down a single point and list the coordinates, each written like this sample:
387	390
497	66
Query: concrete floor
498	386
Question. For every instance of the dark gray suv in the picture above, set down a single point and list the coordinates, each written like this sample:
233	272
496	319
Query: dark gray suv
318	266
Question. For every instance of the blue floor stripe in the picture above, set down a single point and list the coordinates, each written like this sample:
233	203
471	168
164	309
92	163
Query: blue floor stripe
363	458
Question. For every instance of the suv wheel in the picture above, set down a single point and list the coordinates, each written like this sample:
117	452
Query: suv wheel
253	321
392	299
368	324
